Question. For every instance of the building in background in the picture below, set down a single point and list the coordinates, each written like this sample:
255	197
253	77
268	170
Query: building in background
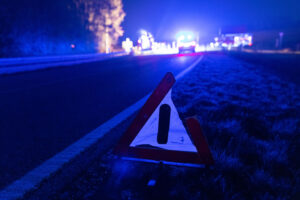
233	37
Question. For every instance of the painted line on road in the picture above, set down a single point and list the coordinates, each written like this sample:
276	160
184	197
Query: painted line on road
32	179
184	72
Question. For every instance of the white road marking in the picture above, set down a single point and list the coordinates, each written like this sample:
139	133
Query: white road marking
32	179
181	74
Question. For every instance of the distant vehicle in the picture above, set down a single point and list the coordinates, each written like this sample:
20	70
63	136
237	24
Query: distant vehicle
234	40
186	42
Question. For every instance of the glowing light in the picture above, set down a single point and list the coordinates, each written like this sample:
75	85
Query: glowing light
146	40
164	48
183	35
143	32
235	40
200	48
182	59
127	45
180	38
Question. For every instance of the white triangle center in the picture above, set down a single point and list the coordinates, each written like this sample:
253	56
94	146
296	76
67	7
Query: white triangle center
178	138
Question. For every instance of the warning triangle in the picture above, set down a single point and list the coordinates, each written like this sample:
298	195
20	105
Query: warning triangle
178	138
157	132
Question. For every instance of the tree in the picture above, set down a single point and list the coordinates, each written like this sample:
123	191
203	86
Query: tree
47	27
104	19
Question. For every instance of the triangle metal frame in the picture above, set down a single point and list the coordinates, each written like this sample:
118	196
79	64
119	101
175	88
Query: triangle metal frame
203	154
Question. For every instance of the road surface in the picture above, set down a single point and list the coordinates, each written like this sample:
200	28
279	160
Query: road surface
43	112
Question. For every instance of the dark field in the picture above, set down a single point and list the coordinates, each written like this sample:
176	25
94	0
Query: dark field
286	66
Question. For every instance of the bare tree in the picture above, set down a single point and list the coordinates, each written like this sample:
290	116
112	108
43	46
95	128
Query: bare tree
104	19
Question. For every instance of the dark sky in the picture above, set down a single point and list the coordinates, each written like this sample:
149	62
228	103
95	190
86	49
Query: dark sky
166	17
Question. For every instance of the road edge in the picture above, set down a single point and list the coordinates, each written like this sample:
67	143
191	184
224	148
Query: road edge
56	64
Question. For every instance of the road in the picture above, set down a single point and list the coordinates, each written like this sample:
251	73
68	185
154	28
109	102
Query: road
43	112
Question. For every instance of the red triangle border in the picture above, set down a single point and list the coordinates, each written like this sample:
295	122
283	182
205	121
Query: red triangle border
203	156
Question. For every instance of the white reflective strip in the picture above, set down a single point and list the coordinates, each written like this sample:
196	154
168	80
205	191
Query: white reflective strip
164	162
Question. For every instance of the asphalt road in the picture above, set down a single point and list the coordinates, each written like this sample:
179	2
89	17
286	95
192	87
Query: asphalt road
43	112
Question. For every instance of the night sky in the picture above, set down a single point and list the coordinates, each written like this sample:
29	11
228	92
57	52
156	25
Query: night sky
164	18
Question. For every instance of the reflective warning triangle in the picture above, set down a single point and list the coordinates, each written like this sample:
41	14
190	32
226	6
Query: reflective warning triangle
157	132
178	138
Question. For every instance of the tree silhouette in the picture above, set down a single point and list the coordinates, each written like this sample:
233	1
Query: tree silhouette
104	20
35	27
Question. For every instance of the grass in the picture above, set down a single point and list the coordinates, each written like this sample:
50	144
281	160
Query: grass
252	123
